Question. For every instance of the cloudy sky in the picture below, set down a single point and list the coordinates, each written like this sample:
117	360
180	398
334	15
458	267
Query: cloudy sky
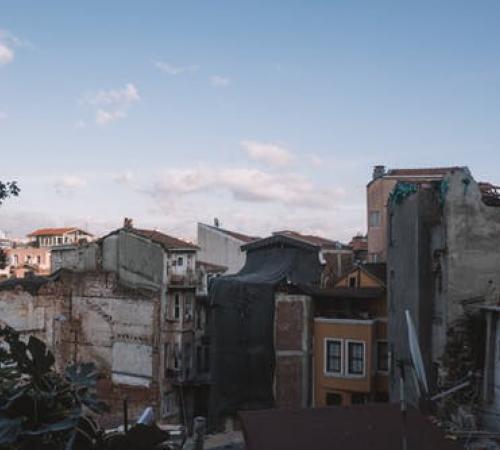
265	114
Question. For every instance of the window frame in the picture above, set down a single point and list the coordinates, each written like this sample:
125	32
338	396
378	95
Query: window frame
348	354
325	357
177	312
375	213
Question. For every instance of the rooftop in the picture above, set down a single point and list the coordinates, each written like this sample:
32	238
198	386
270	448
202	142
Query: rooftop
167	241
360	427
431	171
295	239
240	236
55	231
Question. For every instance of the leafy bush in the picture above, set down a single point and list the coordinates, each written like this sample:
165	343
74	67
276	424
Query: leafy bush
39	408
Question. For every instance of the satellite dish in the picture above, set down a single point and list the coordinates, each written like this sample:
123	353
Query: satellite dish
416	356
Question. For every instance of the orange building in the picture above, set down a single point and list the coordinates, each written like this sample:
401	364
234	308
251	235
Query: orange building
351	362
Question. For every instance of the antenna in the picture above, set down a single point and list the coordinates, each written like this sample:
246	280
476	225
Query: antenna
416	356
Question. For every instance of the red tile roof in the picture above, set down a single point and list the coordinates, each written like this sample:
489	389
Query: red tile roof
169	242
55	231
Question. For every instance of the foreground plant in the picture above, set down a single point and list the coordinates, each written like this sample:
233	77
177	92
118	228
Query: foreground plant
39	408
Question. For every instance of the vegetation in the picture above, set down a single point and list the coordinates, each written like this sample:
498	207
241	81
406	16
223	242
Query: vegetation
7	189
39	408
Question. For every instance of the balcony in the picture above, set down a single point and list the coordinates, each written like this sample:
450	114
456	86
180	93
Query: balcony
188	279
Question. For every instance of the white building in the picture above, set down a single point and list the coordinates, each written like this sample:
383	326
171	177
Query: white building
222	247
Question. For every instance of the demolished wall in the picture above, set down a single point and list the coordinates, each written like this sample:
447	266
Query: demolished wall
443	256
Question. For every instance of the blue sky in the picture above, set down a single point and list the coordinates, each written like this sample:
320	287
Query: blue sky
266	114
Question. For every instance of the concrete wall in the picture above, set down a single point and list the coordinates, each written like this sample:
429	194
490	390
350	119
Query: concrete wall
217	247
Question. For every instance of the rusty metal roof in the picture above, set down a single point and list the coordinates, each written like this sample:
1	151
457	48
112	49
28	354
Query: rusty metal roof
360	427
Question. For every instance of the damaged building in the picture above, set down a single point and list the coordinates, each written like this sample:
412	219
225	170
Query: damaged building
133	302
443	260
246	358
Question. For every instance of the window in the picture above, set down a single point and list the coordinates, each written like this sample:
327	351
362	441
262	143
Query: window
38	259
359	399
165	358
177	307
353	281
333	356
180	261
333	399
355	358
169	406
188	359
382	356
59	240
188	309
199	318
176	357
374	219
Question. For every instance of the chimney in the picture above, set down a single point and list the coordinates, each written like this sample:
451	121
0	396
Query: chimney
378	172
128	223
216	222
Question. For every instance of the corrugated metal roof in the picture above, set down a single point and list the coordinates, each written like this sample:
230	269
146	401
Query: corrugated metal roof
361	427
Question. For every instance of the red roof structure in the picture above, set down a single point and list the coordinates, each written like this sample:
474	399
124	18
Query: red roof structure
359	427
55	231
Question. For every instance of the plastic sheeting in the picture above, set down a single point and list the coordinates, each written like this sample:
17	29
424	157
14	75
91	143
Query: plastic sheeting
243	325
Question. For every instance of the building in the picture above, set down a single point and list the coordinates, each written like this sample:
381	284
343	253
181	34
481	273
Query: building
52	237
129	303
222	247
23	260
351	362
250	348
360	427
359	245
443	257
378	192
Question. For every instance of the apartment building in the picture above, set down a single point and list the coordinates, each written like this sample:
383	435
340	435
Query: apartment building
52	237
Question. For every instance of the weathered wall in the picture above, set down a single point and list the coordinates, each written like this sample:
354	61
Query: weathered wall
473	249
444	252
293	348
377	193
219	248
413	223
491	389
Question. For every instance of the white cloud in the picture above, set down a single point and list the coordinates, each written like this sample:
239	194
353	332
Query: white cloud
69	184
269	153
6	54
113	104
316	161
125	178
172	69
8	42
219	81
103	117
248	185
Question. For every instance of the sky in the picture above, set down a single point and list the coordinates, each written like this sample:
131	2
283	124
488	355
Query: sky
268	115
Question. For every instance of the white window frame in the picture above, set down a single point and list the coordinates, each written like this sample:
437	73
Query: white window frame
347	373
325	357
385	372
